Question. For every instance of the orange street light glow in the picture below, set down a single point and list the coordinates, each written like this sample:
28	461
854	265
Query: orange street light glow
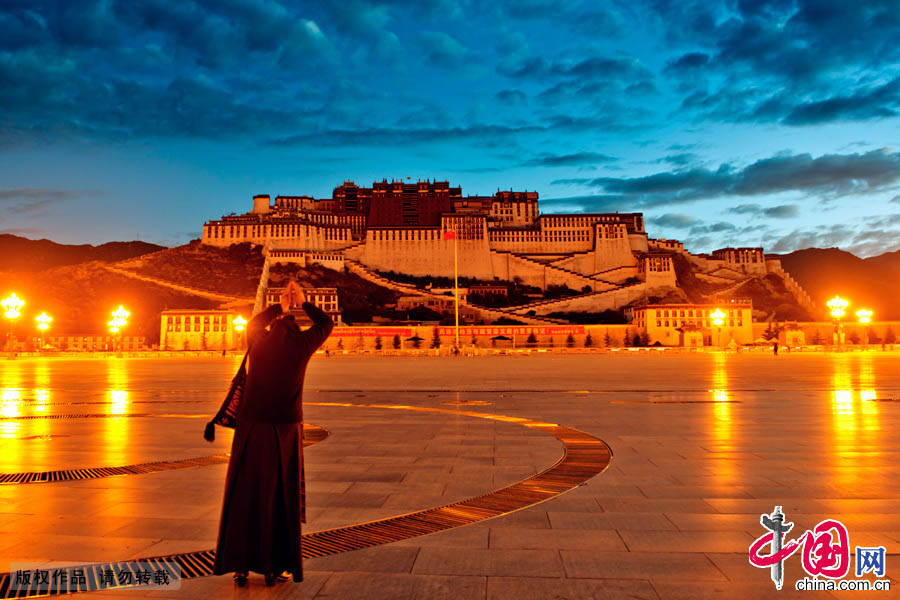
718	317
43	321
239	323
12	306
864	315
837	306
119	320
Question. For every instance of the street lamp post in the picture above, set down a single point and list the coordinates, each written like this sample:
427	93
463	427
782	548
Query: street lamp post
718	318
837	306
865	317
12	308
43	324
239	324
119	321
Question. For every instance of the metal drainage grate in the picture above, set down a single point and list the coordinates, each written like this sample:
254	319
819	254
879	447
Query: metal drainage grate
312	434
467	402
584	457
674	401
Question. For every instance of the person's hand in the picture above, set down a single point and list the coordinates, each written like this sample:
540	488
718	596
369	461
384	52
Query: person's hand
285	299
299	295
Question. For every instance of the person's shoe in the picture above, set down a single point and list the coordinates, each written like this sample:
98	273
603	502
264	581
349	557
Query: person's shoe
240	578
285	576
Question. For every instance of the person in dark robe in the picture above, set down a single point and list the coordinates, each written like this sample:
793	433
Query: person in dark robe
264	501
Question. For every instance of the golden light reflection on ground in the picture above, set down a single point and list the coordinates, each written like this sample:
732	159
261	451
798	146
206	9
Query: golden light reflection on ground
721	422
116	432
856	426
11	407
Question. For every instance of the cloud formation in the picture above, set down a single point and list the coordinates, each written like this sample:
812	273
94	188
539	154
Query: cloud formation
830	174
565	160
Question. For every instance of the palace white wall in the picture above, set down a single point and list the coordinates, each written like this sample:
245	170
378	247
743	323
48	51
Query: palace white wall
428	256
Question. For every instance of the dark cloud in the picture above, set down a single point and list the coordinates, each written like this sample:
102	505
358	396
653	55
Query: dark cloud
442	49
565	160
593	68
880	102
511	96
586	204
580	181
681	159
685	62
862	240
829	175
641	88
719	227
823	237
36	194
682	147
675	220
782	211
485	134
34	201
825	59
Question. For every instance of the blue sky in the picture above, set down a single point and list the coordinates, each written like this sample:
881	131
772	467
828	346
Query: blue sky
726	123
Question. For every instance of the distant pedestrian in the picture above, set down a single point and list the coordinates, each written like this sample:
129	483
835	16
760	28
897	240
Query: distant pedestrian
775	348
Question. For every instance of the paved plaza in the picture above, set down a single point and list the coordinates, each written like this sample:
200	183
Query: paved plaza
702	445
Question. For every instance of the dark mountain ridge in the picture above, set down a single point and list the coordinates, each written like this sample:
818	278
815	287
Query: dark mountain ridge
872	283
22	254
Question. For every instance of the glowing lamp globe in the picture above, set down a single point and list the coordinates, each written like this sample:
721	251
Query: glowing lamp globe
43	321
12	306
837	306
718	317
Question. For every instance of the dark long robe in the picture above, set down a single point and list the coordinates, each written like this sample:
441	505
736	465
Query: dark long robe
264	500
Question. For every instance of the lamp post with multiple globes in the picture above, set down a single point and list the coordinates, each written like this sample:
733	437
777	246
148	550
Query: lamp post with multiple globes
43	324
118	322
12	308
837	306
718	319
864	315
239	324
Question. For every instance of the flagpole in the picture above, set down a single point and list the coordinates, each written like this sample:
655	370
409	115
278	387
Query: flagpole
456	287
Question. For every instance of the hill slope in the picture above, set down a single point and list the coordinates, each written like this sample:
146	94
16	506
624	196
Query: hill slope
22	254
81	297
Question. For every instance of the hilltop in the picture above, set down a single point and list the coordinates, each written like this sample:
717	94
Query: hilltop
22	254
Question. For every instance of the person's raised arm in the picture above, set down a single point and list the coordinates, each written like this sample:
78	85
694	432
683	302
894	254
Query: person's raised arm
322	323
258	323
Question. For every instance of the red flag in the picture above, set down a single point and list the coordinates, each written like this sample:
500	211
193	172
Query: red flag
449	235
